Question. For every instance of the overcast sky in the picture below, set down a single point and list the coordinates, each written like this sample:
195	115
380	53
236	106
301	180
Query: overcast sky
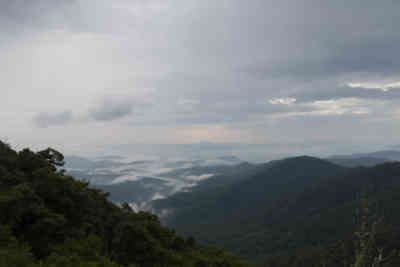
75	74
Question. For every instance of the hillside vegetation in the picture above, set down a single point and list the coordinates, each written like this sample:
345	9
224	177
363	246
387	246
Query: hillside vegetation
298	212
49	219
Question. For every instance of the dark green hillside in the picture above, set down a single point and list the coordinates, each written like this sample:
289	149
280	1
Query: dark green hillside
271	184
49	219
223	174
292	212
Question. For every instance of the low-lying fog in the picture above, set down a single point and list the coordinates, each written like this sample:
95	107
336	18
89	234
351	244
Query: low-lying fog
139	179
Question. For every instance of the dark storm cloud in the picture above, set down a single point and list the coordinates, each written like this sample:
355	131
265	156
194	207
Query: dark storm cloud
44	120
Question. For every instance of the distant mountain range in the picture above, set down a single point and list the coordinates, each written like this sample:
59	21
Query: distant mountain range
261	211
391	155
286	205
263	188
365	159
140	181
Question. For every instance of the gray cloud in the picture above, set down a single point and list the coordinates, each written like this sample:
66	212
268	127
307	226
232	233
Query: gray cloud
326	92
371	56
45	119
189	64
20	15
307	39
112	108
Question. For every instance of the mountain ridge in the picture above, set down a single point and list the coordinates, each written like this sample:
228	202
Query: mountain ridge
311	201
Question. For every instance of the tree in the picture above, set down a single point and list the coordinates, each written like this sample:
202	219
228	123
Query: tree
368	253
12	252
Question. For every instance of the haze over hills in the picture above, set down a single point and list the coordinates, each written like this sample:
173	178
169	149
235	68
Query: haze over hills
140	181
259	210
365	159
362	161
393	155
150	177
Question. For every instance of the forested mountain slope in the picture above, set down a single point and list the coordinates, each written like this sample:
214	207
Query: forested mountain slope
49	219
295	209
143	190
270	185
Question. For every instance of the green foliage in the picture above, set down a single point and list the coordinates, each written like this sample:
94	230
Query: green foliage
12	252
54	221
298	212
82	253
368	252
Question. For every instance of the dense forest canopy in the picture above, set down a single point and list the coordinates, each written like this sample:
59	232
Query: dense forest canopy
51	219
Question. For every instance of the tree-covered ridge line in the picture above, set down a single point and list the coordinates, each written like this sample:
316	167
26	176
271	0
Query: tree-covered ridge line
50	219
298	212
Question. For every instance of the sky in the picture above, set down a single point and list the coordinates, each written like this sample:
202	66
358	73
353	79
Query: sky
80	74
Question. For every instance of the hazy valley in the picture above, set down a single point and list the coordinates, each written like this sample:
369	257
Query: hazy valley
250	208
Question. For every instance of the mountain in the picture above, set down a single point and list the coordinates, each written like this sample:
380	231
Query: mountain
142	192
50	219
265	184
244	202
363	161
289	213
141	181
234	159
137	193
392	155
261	211
220	175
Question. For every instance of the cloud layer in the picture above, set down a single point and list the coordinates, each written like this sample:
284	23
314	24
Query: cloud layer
112	108
44	120
188	71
